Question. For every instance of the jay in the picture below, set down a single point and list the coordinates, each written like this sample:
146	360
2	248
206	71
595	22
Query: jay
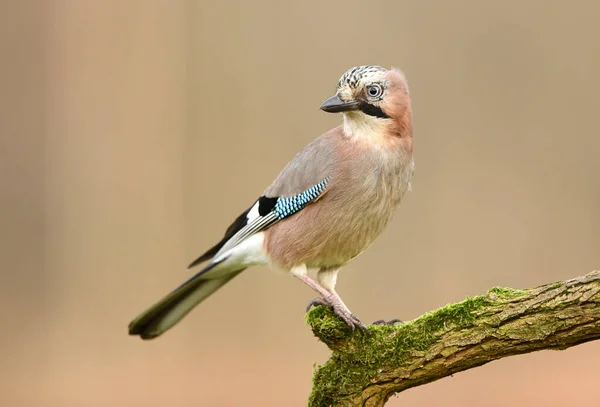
325	208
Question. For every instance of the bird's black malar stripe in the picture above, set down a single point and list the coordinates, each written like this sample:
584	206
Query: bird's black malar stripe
372	110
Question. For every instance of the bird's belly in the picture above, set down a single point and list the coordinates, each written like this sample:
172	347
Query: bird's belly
321	238
339	247
349	236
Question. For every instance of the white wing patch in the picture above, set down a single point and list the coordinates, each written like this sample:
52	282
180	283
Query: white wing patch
258	224
249	252
253	212
279	208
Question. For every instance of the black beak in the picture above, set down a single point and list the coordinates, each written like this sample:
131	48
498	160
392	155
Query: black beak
336	105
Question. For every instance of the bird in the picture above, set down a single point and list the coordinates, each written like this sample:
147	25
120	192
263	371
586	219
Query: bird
326	206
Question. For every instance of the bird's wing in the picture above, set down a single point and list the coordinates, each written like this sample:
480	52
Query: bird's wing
303	181
265	212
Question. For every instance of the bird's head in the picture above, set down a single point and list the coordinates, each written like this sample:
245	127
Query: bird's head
372	97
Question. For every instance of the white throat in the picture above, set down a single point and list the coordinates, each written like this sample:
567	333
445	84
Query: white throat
362	126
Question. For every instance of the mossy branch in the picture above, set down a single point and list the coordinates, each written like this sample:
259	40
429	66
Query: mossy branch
366	370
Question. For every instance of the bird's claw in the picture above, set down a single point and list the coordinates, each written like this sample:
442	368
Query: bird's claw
390	322
345	315
351	320
317	301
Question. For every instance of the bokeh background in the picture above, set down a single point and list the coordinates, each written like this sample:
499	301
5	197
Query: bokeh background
133	132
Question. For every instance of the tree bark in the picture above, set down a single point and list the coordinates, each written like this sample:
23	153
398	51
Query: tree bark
367	369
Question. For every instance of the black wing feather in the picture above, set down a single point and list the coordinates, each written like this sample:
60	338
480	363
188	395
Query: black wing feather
270	210
237	224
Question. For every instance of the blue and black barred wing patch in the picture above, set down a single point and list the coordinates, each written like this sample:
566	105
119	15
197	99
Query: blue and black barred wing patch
265	212
287	206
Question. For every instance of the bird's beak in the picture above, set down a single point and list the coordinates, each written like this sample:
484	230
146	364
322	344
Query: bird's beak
336	105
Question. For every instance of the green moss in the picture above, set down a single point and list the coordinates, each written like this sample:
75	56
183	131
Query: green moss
505	292
357	357
326	325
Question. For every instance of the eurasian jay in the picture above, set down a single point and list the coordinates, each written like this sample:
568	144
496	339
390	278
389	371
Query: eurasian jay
325	208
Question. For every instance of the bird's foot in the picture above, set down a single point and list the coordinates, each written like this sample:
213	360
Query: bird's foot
317	301
390	322
340	310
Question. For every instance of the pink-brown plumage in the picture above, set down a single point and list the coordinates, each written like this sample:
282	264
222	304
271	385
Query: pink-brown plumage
369	178
367	166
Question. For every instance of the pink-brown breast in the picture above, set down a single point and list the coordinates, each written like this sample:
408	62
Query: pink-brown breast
367	184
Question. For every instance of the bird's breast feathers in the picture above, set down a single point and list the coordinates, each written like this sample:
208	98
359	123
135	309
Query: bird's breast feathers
362	196
326	207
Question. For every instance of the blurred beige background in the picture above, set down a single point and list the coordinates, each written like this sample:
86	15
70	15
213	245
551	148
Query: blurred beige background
133	133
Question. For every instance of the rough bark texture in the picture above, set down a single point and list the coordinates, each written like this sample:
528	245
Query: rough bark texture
366	370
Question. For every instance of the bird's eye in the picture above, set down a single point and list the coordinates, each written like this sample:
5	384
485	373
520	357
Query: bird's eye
374	91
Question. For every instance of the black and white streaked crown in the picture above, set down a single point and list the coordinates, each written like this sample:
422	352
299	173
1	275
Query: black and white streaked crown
353	76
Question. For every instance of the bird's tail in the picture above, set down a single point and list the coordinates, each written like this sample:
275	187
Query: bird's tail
171	309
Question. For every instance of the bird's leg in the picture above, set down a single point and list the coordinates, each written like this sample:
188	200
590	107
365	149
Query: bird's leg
329	298
301	273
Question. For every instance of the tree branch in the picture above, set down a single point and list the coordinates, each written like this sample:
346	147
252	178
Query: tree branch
366	370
